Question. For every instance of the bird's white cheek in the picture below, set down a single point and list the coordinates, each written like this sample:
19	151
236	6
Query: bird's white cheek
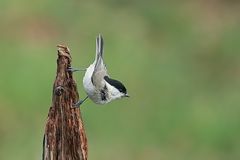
115	94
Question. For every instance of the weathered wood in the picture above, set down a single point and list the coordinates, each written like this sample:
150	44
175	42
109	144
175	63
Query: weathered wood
64	137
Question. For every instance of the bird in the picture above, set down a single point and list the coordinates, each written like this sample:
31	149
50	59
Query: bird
97	83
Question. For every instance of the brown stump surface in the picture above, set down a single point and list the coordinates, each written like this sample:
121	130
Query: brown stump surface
64	137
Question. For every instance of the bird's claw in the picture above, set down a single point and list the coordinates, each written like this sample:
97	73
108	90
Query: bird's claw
78	104
71	69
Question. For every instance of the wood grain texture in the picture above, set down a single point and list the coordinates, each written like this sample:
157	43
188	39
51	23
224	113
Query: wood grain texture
64	137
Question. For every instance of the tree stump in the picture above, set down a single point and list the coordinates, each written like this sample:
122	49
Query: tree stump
64	137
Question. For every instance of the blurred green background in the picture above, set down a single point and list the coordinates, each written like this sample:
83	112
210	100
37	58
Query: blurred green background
180	61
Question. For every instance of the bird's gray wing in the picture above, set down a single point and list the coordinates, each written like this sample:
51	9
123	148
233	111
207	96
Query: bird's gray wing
98	78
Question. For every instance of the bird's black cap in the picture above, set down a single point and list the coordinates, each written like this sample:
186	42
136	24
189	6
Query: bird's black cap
117	84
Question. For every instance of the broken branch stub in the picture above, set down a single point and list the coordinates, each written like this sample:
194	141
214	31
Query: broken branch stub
64	137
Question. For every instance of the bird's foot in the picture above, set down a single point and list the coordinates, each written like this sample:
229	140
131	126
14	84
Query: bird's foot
71	69
79	103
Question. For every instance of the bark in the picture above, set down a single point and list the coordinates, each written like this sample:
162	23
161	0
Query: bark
64	137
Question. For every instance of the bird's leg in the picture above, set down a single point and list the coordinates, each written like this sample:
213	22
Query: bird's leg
71	69
80	102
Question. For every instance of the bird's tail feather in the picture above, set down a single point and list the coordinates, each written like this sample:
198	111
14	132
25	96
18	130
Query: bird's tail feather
99	49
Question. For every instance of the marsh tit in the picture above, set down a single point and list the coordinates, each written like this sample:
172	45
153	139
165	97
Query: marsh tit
100	88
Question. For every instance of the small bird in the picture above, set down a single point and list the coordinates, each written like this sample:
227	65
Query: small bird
100	88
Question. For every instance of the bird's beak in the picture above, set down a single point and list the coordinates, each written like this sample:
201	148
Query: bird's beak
126	95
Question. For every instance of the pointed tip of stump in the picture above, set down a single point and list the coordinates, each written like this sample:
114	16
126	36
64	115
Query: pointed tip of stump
63	50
